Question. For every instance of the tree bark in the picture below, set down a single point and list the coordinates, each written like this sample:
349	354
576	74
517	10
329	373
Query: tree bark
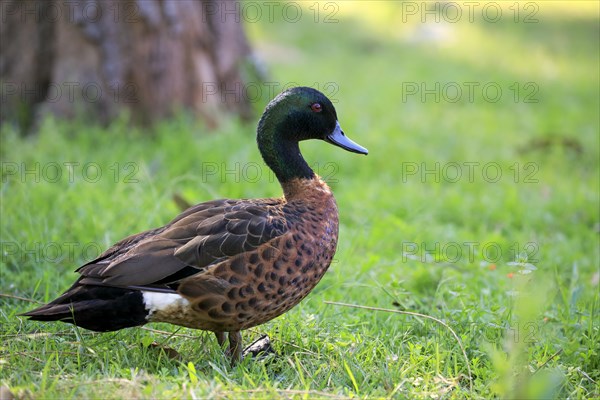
100	57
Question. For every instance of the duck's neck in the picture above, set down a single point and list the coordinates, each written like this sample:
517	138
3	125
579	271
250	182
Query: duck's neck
284	158
314	191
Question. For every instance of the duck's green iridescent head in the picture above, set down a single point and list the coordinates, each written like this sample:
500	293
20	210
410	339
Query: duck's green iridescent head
297	114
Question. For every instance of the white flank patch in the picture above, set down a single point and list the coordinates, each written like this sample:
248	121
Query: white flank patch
164	302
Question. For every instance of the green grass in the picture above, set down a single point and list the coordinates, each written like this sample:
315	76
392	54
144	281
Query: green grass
458	250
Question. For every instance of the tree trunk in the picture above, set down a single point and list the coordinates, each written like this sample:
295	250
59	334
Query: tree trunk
100	57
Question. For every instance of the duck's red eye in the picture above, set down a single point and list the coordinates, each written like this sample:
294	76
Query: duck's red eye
316	107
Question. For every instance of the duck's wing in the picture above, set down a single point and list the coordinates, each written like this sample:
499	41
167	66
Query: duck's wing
198	238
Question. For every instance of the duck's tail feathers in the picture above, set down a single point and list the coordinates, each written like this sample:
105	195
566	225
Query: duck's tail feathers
97	308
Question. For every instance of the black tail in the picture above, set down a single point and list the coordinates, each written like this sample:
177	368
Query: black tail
97	308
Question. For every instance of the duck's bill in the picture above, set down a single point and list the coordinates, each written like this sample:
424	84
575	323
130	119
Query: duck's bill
338	138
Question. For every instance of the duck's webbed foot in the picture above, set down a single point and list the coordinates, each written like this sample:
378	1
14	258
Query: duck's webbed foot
259	349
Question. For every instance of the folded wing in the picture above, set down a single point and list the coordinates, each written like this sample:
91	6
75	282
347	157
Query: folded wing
197	239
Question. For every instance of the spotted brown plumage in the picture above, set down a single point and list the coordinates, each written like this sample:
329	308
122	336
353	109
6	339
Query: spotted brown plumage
224	265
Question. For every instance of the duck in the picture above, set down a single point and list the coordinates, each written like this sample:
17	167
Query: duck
224	265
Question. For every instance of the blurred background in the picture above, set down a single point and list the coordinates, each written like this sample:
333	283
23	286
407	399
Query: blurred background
478	202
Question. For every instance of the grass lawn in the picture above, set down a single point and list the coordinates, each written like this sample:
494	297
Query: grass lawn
478	205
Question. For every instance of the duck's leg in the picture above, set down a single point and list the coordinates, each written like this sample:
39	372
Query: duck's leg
235	347
220	338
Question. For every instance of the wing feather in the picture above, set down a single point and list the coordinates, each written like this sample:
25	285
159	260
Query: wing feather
198	238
